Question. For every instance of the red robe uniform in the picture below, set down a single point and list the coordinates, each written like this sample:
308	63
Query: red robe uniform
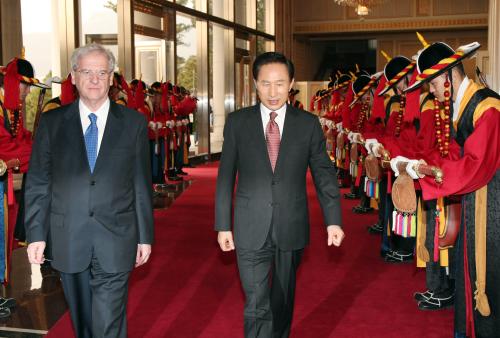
11	147
476	175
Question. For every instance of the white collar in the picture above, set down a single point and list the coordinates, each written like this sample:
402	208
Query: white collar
101	112
281	111
460	94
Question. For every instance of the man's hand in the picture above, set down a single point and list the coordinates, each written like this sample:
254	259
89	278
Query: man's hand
35	252
225	239
335	235
143	253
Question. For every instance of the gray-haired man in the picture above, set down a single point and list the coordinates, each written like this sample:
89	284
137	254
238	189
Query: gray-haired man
89	187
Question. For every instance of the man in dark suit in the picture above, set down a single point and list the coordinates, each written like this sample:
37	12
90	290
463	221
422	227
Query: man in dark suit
269	147
89	191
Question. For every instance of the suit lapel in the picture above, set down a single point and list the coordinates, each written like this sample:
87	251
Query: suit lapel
74	135
112	131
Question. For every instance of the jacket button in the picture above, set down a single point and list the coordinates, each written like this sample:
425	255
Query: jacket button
92	182
91	214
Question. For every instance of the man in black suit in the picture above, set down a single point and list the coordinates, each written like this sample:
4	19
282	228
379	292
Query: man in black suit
269	147
89	191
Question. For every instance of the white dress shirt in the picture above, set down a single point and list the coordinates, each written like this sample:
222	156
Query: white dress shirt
460	94
102	116
280	118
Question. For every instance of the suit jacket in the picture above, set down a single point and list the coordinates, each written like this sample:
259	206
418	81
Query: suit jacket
105	213
262	196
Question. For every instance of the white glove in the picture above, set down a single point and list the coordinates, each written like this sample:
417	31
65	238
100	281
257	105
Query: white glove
410	169
368	144
357	138
152	125
159	125
339	127
394	163
376	149
350	135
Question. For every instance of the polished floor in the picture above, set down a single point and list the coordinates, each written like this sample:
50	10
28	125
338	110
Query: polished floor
37	289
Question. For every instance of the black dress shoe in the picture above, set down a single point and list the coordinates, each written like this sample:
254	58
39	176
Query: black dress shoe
361	210
398	257
375	229
175	178
351	196
180	172
435	303
4	312
7	302
422	296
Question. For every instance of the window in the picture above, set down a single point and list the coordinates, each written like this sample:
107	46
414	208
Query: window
99	23
41	49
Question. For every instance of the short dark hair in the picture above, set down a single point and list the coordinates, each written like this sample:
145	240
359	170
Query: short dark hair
272	57
460	68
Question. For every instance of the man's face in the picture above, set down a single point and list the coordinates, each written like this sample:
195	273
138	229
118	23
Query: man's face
403	83
343	91
24	90
273	85
156	99
92	78
366	97
436	87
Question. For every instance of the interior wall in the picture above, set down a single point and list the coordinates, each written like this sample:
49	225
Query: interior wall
326	10
392	25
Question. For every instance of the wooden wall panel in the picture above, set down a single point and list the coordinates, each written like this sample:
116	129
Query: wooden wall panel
392	25
394	15
458	7
393	9
423	7
302	12
407	44
388	47
323	10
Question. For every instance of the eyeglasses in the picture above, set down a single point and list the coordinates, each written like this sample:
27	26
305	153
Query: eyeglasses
89	74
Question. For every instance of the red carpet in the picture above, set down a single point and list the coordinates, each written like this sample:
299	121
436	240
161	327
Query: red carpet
191	289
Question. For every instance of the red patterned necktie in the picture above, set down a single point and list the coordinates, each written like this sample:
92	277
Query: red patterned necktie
273	139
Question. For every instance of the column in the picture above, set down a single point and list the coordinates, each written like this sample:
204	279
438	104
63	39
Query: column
11	30
494	44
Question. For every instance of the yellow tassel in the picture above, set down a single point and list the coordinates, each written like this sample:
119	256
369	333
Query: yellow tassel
482	304
23	53
422	252
422	40
386	56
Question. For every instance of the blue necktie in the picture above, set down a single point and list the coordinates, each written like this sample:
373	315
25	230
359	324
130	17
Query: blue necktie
91	141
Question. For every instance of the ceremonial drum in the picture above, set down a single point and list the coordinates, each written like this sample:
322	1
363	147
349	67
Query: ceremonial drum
404	198
373	176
